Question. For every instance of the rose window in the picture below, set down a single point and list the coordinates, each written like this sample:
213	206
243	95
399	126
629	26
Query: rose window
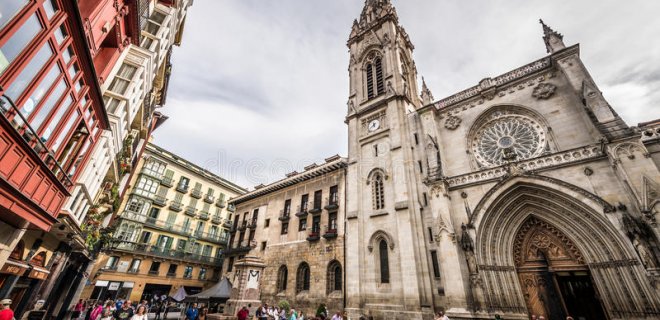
508	137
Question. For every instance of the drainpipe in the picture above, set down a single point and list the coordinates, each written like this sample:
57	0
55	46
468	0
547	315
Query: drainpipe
345	231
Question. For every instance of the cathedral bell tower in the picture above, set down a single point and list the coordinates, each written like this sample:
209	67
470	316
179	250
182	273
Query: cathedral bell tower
385	247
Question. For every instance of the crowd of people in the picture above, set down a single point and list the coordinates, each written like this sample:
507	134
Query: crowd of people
119	310
266	312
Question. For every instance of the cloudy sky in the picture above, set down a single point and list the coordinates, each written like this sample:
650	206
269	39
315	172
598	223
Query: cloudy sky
259	87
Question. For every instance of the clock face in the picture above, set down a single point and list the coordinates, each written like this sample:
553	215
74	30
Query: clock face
374	125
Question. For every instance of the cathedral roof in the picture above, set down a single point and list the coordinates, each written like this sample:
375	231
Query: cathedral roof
373	13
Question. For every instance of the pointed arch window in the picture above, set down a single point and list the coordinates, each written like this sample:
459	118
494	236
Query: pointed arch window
282	275
377	191
374	76
384	262
334	281
302	278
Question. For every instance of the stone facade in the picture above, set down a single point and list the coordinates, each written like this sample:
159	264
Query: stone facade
498	198
283	225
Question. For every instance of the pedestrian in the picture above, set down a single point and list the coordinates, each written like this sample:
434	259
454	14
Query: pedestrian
336	316
140	313
97	311
294	315
262	312
301	316
6	313
498	317
322	312
108	310
243	313
442	316
77	309
192	312
125	312
202	313
159	309
166	310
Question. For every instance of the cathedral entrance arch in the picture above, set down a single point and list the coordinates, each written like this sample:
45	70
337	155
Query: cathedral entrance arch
553	275
541	243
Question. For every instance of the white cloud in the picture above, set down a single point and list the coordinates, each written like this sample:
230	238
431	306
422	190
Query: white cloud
267	80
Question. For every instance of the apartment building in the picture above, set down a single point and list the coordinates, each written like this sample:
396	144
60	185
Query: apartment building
171	231
295	226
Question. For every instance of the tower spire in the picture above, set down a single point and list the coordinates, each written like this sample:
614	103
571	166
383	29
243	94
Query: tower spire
427	96
554	41
373	11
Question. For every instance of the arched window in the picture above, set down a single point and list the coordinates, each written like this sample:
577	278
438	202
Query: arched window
334	276
377	191
282	276
374	76
302	278
384	262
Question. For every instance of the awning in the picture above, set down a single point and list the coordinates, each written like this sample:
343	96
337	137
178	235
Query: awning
180	294
221	290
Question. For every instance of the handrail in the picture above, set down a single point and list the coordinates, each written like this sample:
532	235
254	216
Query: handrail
68	181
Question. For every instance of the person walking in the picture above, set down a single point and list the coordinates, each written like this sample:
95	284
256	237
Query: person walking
125	312
166	309
6	313
140	313
192	312
97	311
159	309
108	310
202	314
243	313
77	309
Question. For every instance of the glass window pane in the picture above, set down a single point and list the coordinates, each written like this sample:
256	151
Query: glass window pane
17	87
31	103
48	106
60	34
65	131
67	54
19	40
64	106
8	9
118	86
73	70
50	8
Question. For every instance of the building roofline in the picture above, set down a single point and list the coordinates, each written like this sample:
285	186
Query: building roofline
175	159
312	171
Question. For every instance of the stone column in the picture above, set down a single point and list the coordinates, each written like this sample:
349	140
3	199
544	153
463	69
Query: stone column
245	286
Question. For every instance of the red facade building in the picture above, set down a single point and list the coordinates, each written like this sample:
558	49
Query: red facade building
51	114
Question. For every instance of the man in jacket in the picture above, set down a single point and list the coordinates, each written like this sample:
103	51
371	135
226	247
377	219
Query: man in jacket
192	312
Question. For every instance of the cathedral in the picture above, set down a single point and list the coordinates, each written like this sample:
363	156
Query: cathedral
525	194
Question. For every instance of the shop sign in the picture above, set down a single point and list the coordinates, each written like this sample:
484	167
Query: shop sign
38	274
114	286
12	269
101	283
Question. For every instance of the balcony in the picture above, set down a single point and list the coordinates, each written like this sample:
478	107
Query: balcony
134	271
330	233
284	216
216	219
196	193
160	201
253	224
244	247
33	181
130	215
176	206
227	224
190	210
209	198
171	274
110	268
187	276
313	236
332	203
153	272
243	226
233	228
220	203
183	188
167	182
231	208
204	216
301	212
316	209
155	251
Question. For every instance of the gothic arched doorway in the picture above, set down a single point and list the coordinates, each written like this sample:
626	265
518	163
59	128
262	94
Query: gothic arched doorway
553	275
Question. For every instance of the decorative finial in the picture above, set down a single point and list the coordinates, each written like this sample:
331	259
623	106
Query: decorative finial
554	41
427	96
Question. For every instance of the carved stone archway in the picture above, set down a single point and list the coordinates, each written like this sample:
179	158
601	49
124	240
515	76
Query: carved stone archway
609	260
553	274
